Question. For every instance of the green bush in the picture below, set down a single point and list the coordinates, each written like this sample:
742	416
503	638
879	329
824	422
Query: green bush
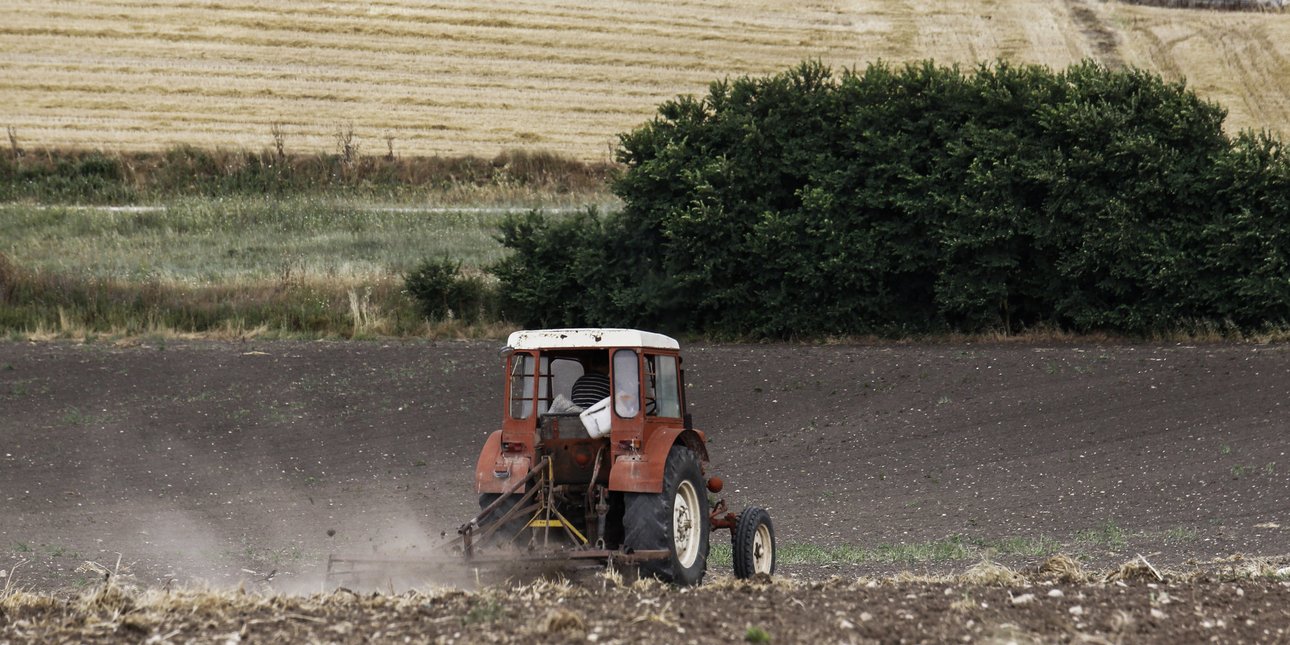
923	198
582	270
442	291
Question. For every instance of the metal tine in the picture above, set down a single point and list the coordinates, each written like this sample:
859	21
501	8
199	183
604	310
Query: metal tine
537	470
492	527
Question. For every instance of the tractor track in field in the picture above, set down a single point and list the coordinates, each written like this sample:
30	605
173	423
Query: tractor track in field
1101	37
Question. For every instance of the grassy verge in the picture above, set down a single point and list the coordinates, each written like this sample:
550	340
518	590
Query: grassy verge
45	306
302	267
209	241
515	177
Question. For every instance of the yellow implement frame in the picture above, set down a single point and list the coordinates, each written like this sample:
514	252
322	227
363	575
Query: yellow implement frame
543	518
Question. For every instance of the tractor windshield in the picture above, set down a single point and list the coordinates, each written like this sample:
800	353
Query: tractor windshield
568	381
661	392
561	382
563	373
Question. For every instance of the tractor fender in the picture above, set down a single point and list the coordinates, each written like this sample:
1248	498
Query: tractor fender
643	472
492	463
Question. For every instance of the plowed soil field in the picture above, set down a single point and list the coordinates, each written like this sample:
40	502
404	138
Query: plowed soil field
247	463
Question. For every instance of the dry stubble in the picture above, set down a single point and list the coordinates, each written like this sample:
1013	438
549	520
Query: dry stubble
474	77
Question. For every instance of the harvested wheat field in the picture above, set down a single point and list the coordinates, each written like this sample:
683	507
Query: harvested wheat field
473	77
1037	492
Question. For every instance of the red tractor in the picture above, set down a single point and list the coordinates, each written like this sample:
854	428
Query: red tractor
598	460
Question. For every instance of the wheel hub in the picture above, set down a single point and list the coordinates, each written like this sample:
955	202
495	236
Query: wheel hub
763	557
686	531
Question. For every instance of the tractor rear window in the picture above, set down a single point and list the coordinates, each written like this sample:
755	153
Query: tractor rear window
627	383
521	386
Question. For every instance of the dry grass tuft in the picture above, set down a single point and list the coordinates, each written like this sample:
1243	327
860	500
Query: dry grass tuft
367	315
1241	567
564	622
1062	568
9	575
647	584
991	573
108	599
1137	569
724	582
611	577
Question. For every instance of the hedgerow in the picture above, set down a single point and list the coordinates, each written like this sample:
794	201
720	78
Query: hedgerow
923	198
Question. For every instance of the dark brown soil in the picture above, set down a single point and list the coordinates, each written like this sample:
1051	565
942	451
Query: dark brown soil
240	462
1244	611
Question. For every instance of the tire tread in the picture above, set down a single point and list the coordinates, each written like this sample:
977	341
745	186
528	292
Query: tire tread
647	519
742	541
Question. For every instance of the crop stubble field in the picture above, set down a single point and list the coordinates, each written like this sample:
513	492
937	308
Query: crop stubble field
903	464
474	77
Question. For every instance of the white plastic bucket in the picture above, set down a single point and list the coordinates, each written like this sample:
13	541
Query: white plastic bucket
596	419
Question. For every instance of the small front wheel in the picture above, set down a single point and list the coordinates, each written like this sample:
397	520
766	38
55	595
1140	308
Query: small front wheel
754	543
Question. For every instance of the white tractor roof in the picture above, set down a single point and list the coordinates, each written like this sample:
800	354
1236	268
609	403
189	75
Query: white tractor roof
588	337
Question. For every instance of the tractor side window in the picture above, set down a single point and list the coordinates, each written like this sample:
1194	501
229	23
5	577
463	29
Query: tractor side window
521	386
662	398
627	383
544	384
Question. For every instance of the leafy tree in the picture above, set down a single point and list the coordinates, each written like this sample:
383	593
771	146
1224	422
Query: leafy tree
921	198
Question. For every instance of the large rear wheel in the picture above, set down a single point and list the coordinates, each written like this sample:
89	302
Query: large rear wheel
675	519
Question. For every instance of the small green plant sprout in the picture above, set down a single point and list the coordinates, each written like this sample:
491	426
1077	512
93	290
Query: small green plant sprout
1108	535
486	612
74	417
1225	449
1270	468
1180	534
1239	471
757	635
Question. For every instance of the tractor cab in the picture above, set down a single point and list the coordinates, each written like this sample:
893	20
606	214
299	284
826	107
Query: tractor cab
574	394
